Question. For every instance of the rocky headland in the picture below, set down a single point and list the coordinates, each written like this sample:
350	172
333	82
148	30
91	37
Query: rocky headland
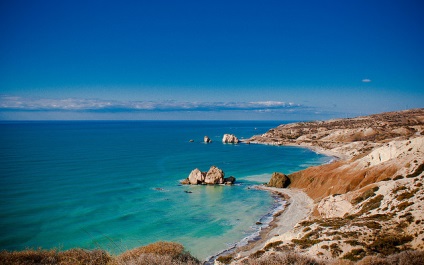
367	206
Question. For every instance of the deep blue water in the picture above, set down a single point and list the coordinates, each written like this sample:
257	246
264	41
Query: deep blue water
115	185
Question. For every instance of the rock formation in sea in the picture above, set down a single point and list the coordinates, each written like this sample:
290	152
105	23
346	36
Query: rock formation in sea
207	140
196	177
279	180
230	180
213	176
230	138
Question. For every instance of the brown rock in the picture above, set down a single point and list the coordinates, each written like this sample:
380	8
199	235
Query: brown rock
185	181
230	180
214	176
279	180
196	177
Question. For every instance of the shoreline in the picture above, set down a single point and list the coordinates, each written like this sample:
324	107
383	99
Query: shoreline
297	206
283	220
257	237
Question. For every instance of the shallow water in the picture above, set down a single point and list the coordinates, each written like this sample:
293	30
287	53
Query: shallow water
115	185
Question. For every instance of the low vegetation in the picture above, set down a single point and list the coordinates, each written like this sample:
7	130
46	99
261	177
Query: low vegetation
160	253
284	258
69	257
367	194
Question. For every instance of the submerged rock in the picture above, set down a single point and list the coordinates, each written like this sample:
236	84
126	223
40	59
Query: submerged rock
207	140
185	181
230	138
279	180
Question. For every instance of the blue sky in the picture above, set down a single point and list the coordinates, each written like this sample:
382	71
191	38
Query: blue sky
280	60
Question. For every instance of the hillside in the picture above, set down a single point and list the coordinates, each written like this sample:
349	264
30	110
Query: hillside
369	203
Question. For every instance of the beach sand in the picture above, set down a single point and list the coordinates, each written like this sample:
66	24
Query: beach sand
298	207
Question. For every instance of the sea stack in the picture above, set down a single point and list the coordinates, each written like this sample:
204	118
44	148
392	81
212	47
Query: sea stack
207	140
196	177
212	177
230	138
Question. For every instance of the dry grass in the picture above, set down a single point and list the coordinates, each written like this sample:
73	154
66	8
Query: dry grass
372	204
365	195
402	206
389	244
157	253
284	259
160	253
355	254
225	259
404	258
47	257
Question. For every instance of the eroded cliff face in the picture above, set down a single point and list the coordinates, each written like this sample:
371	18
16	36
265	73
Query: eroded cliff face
371	149
396	158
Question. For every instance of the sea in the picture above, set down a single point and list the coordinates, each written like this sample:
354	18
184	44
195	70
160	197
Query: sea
115	185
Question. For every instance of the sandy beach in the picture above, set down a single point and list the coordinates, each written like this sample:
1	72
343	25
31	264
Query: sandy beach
298	207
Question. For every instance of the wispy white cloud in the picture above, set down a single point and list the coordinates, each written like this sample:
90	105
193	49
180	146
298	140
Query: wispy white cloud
13	103
366	80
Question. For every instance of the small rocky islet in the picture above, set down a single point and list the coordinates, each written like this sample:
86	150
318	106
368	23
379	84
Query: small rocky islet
213	176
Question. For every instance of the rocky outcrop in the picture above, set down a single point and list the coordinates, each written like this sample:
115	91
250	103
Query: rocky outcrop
213	176
196	177
230	139
279	180
207	140
230	180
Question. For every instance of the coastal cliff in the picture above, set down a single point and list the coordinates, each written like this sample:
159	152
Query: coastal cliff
368	204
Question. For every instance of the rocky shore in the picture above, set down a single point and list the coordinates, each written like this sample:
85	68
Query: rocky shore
367	205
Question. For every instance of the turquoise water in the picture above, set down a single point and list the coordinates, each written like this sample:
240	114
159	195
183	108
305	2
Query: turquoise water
115	185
